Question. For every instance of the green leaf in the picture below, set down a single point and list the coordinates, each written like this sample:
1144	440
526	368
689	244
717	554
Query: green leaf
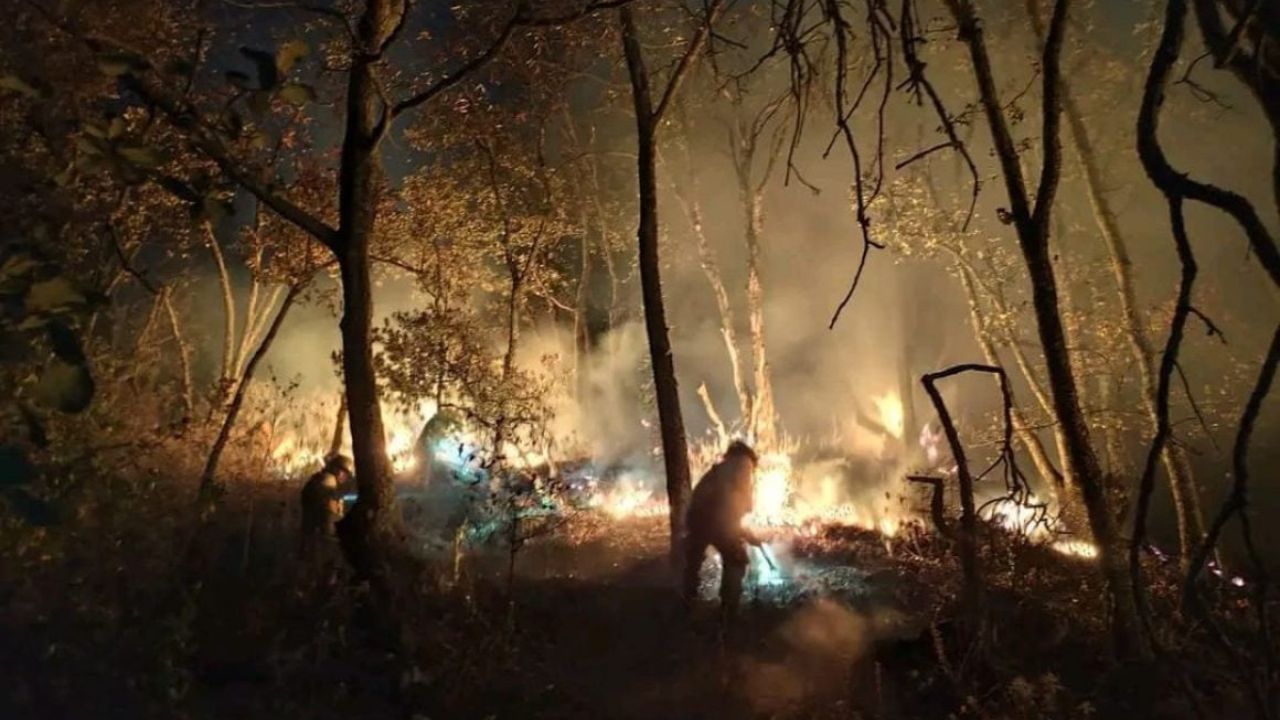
118	64
16	84
260	140
65	386
140	156
297	94
15	468
265	62
116	128
56	293
289	53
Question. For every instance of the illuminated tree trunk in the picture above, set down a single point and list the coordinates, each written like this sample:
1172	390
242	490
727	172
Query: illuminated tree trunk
369	528
728	328
1182	487
1026	436
1031	220
581	308
745	148
763	416
208	477
339	425
184	359
1181	483
228	317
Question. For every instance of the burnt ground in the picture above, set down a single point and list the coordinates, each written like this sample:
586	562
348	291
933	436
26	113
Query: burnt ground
597	621
590	628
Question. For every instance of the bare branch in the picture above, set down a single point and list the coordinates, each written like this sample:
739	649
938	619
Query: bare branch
519	19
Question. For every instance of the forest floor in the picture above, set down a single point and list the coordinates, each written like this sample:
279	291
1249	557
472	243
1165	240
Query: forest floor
589	627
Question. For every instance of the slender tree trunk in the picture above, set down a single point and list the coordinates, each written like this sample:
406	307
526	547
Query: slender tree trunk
763	419
228	316
184	362
675	450
1032	224
1182	487
250	317
339	425
581	309
1026	436
728	328
1032	377
207	478
514	301
370	528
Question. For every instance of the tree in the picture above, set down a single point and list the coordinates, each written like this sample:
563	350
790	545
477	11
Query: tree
648	118
1031	219
364	41
1176	464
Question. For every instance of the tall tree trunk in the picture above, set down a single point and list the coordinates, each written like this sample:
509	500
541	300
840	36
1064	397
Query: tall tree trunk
184	361
207	478
1032	224
1190	516
1038	390
728	328
581	309
1026	436
370	527
763	418
675	449
339	425
228	317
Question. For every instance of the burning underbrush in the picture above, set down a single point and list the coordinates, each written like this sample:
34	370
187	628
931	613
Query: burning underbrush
459	492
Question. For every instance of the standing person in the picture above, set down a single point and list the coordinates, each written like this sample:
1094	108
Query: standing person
722	498
322	502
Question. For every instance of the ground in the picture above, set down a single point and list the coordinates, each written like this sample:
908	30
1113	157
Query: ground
854	625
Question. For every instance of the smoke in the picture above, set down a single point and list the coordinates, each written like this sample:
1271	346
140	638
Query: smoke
598	403
816	652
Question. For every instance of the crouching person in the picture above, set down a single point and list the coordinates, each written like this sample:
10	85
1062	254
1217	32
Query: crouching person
722	498
322	505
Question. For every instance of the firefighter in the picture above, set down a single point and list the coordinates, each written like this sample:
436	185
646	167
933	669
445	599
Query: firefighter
322	501
720	501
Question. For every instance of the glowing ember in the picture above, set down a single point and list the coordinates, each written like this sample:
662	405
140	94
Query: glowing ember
627	498
1077	548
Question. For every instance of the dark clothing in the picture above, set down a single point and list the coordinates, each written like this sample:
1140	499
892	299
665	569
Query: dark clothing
720	501
321	509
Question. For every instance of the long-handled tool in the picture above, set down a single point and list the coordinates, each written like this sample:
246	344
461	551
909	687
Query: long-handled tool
761	547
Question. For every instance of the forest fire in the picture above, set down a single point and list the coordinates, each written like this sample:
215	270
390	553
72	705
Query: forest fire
359	355
788	498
